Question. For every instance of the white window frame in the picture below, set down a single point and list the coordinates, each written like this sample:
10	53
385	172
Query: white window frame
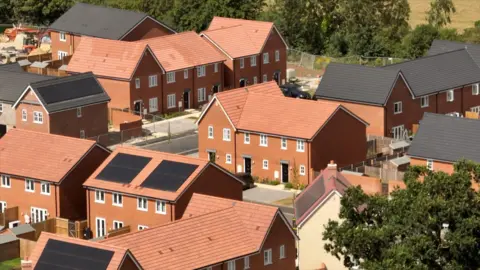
61	54
283	143
43	213
227	135
82	134
142	227
398	130
246	138
302	170
202	94
300	145
79	112
117	199
45	188
263	140
117	224
144	204
159	203
228	158
185	73
6	181
475	109
475	89
266	58
98	232
255	80
267	256
424	102
62	36
24	115
282	252
397	107
37	117
264	78
210	132
171	77
137	83
231	265
153	80
153	104
246	262
277	55
265	164
3	206
242	62
99	196
253	61
430	164
29	185
450	95
171	104
201	71
215	67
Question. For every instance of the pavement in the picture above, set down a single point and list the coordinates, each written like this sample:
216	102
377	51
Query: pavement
184	145
268	196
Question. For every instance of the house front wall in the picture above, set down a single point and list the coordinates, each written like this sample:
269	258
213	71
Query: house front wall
29	124
93	121
469	100
437	165
68	46
274	43
118	91
444	106
148	28
311	253
248	72
208	81
8	115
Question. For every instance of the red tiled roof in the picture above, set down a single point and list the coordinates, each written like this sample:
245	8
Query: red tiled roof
118	252
237	37
134	186
217	231
40	156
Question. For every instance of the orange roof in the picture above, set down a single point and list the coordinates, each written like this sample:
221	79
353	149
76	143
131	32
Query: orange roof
217	231
40	156
183	50
370	185
134	186
105	57
237	37
118	252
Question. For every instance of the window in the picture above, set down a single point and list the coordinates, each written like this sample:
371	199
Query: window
215	67
101	227
62	36
171	77
38	214
142	204
29	185
117	224
137	83
246	262
153	104
1	107
226	134
263	140
246	138
242	62
430	164
397	107
153	80
284	143
300	146
398	132
267	257
265	58
475	89
161	207
117	199
475	109
277	55
201	94
200	71
61	54
82	134
3	206
265	164
424	102
210	132
255	80
282	252
450	96
6	181
24	115
171	101
185	74
142	227
228	159
38	117
79	112
99	196
231	265
253	61
302	169
45	188
264	78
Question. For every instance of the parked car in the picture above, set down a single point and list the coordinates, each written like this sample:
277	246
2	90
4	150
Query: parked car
294	91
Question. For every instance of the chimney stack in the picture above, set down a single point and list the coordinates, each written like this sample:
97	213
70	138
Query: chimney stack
26	264
332	165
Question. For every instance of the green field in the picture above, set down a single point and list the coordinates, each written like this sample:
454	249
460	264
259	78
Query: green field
11	264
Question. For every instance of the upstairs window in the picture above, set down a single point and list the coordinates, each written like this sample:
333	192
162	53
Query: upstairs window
45	188
137	83
253	61
210	132
263	140
161	207
142	204
171	77
117	199
24	115
79	112
153	80
185	74
282	252
226	134
475	89
450	96
201	71
424	102
267	256
246	138
277	55
284	143
29	185
430	164
242	62
397	107
266	59
62	36
99	196
300	146
6	181
215	67
38	117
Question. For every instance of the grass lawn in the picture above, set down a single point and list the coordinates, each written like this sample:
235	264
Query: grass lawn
11	264
468	11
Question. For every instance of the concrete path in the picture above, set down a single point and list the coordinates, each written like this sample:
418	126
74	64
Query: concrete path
180	124
265	195
183	145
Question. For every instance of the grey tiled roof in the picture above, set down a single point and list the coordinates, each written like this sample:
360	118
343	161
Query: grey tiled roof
15	67
21	229
447	138
356	83
14	83
7	238
442	46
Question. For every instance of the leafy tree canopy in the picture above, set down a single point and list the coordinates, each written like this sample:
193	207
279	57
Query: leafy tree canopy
440	11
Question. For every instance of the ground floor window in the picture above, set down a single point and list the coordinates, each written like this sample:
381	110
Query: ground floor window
38	214
101	227
171	101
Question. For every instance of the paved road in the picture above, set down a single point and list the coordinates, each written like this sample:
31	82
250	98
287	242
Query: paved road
182	145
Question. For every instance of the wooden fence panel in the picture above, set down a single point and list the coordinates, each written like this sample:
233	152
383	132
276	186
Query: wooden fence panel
61	226
11	214
26	247
10	250
45	226
79	227
118	232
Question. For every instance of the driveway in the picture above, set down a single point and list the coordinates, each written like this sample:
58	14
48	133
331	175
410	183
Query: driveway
183	145
176	126
266	195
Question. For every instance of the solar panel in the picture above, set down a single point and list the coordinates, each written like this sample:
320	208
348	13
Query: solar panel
169	175
61	91
123	168
63	255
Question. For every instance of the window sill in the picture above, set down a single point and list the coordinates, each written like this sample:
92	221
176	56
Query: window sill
264	145
46	194
6	186
117	205
102	202
161	213
30	191
37	122
143	210
397	112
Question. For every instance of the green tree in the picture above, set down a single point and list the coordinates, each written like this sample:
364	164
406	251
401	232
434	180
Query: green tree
418	41
440	11
6	13
408	231
38	12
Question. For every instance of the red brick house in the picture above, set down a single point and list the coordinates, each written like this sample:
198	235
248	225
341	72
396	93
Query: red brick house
214	234
102	22
43	174
158	75
258	131
142	188
74	106
255	50
393	98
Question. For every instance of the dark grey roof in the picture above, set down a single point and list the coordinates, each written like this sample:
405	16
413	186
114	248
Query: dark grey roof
442	46
14	83
98	21
310	196
21	229
7	238
70	92
356	83
431	74
447	138
12	67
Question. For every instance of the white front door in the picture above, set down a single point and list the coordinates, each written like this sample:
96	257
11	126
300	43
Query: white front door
101	231
398	132
38	215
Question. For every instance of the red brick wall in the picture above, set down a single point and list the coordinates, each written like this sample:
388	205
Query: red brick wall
212	78
68	46
29	124
147	29
118	91
247	72
274	43
444	107
94	121
437	165
469	100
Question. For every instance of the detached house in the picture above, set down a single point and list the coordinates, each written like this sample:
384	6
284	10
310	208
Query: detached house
258	131
255	50
43	174
141	188
102	22
73	106
215	234
158	75
394	97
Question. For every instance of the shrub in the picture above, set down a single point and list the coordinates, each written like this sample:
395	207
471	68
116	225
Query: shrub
288	185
